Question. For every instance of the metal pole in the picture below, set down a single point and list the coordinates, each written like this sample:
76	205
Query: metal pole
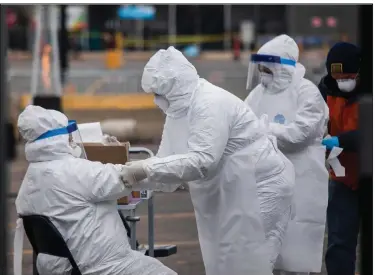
133	232
172	25
198	22
227	26
140	34
55	49
257	23
36	50
63	43
151	226
3	119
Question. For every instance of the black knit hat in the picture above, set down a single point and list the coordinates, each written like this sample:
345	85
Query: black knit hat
343	58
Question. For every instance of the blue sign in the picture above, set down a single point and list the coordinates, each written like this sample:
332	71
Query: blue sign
136	12
279	119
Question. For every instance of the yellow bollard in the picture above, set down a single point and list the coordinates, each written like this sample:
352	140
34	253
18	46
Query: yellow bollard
114	59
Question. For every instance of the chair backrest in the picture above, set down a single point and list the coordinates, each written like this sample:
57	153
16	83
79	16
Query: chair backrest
45	238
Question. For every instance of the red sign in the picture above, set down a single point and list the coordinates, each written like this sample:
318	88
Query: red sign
316	22
331	22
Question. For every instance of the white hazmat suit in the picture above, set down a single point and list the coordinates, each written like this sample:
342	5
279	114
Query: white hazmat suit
79	197
213	141
298	117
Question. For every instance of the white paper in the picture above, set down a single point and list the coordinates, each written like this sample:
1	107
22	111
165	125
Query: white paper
91	132
334	162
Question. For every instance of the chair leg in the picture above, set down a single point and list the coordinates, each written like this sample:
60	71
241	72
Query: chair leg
127	227
75	271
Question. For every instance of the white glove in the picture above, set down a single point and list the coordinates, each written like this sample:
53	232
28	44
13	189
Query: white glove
107	139
127	177
133	172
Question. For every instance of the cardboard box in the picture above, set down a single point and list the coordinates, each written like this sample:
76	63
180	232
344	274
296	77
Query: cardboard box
144	194
110	153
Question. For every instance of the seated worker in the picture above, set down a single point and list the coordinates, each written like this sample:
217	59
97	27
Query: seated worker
79	197
341	89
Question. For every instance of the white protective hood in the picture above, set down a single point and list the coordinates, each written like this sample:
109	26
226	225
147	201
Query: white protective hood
284	47
35	121
170	75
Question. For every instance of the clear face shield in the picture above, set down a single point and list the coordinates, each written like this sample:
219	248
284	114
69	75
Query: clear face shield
263	69
74	137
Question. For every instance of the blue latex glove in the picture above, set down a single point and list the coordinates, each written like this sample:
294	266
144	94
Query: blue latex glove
331	142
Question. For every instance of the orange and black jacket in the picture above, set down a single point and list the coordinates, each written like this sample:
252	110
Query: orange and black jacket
343	123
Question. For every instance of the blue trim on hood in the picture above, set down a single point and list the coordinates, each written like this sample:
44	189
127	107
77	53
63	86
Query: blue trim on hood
272	59
72	126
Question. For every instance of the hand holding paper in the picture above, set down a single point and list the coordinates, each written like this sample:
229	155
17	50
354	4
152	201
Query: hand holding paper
334	162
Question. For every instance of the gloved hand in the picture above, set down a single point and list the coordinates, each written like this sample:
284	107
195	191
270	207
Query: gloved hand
107	139
331	142
133	172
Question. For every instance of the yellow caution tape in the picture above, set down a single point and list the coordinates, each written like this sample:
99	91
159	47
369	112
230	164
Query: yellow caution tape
165	39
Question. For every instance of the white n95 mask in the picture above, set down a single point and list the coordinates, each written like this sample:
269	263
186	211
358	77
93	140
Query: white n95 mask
161	102
265	79
346	85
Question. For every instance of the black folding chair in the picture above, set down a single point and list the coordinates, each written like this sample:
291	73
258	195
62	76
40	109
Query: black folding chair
46	239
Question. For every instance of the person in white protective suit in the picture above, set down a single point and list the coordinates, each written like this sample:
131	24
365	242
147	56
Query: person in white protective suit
298	118
79	197
213	141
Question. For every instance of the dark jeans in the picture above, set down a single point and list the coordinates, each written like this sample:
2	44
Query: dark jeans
343	221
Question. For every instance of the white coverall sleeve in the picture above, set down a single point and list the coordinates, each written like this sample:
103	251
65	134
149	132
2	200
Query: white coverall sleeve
208	135
309	122
163	151
105	183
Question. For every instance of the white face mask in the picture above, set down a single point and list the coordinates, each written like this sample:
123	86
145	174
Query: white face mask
346	85
265	79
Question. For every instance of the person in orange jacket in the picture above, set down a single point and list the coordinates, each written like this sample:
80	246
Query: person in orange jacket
341	89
